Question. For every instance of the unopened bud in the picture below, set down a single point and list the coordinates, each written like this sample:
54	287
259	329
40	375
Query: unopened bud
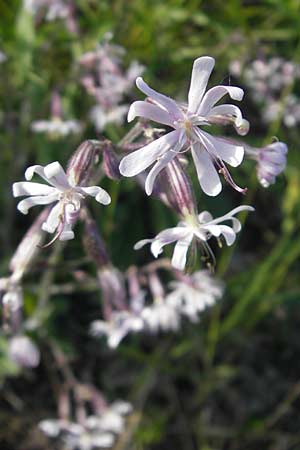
175	184
110	163
23	351
82	164
29	247
92	241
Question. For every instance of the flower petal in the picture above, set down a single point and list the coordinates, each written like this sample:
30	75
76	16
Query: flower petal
215	94
56	175
228	234
27	188
205	216
139	160
207	175
229	215
156	169
180	252
29	202
228	110
53	220
229	152
202	69
149	111
167	237
100	194
166	102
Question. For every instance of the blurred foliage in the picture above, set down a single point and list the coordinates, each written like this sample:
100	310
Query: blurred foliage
232	381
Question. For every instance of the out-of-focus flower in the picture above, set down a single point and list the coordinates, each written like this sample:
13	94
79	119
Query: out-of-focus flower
107	82
208	152
3	57
201	228
69	198
271	161
56	127
23	351
161	315
194	293
266	80
52	10
97	431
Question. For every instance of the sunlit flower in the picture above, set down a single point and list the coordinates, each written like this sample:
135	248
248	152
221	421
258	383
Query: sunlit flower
68	196
201	228
271	161
194	293
209	153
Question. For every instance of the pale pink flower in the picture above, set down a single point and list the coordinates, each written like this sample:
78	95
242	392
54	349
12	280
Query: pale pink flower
201	228
23	351
209	153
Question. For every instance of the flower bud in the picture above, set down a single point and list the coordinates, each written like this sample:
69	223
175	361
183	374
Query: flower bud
28	247
175	183
110	163
93	243
23	351
82	164
113	290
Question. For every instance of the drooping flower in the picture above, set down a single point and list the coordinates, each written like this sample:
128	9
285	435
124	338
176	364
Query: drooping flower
192	294
201	228
68	196
271	161
209	153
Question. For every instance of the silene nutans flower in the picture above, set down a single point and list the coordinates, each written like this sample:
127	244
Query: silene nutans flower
62	191
209	153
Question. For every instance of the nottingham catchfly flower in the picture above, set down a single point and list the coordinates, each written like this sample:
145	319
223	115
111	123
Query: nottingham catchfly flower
63	191
209	153
200	227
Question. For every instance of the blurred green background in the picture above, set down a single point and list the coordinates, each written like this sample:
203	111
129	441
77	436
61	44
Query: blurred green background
232	381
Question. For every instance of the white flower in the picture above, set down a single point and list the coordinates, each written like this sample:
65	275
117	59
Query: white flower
61	190
56	127
3	57
271	161
161	316
201	227
23	351
209	153
101	117
194	294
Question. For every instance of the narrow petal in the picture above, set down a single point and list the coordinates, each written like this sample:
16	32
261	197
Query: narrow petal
215	94
27	188
166	102
202	69
56	175
228	234
166	237
156	169
67	233
229	215
205	216
227	110
207	175
229	152
100	194
52	222
151	112
141	243
139	160
29	202
31	170
180	252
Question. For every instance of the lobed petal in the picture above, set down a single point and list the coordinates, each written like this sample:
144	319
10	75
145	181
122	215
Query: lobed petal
139	160
229	152
151	112
100	194
215	94
180	252
26	188
201	72
29	202
207	175
166	102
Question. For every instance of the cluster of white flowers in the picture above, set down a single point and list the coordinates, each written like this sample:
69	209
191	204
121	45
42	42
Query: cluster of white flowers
266	79
97	431
187	297
56	127
106	81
